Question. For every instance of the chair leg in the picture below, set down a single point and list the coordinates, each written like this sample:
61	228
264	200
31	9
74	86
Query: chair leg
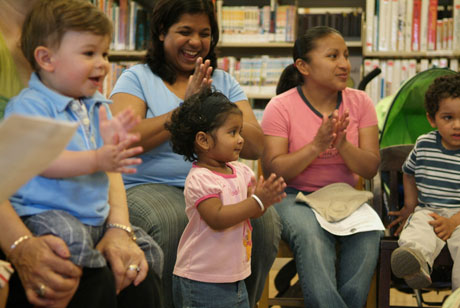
418	297
263	302
384	279
371	301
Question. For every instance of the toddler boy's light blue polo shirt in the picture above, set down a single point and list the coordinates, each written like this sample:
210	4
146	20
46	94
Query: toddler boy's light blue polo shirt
85	197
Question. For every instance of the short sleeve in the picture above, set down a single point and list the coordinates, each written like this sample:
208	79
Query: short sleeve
367	113
28	106
225	83
245	171
201	185
275	120
129	83
411	161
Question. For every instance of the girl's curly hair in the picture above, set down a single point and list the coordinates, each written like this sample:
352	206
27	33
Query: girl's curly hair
443	87
205	111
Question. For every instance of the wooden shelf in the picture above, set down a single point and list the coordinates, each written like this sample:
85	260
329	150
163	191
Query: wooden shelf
272	44
404	55
259	96
126	55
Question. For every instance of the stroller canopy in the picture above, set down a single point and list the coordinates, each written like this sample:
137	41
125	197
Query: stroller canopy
406	117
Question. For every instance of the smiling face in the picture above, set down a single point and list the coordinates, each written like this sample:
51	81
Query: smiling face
329	66
227	141
77	68
447	121
187	40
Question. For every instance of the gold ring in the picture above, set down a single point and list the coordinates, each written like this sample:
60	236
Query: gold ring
41	290
133	267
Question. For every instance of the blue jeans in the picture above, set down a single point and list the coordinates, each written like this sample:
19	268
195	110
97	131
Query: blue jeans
196	294
334	271
160	210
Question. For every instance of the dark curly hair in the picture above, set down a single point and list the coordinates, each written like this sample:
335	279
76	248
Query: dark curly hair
205	111
165	14
442	87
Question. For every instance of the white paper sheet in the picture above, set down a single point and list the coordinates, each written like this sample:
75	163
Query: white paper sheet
363	219
27	146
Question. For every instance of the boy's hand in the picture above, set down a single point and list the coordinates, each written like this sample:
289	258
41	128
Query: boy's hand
271	190
442	226
117	129
116	158
401	217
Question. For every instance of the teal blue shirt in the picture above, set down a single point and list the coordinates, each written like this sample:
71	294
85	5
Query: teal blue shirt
85	197
161	164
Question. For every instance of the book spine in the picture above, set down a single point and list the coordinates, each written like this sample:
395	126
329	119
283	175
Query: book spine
415	37
456	25
424	25
432	23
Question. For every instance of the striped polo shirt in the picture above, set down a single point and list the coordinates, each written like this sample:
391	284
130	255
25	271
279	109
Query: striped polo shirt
436	171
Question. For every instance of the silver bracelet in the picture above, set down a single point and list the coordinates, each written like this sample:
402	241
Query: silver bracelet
123	227
259	202
19	241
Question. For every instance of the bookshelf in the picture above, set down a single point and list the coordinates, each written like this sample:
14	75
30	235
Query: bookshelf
241	51
407	37
124	54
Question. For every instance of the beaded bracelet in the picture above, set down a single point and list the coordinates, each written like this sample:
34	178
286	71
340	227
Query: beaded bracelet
123	227
19	241
259	202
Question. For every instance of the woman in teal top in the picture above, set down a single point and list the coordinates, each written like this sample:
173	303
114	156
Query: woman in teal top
183	33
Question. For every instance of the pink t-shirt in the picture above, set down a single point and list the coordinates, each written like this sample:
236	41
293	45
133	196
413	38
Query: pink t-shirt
288	115
205	254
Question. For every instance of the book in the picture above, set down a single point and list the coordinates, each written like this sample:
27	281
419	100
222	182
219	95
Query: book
408	26
424	25
401	25
416	15
384	24
456	25
370	15
27	146
393	35
432	23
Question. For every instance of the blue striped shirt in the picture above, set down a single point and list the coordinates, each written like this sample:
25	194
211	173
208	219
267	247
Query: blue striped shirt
436	171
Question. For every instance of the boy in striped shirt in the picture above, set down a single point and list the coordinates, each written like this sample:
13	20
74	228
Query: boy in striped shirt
432	190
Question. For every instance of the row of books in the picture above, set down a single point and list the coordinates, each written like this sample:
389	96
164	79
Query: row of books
269	23
396	72
258	76
130	23
116	68
415	25
345	19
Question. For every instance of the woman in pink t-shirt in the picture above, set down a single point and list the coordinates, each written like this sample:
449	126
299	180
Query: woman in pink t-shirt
318	133
221	195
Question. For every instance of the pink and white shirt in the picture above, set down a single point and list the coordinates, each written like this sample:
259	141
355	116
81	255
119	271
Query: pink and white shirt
209	255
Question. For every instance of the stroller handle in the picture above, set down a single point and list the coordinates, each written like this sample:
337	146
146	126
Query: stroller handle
371	75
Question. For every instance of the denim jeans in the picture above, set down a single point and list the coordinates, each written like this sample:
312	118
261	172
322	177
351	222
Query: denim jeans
160	210
196	294
334	271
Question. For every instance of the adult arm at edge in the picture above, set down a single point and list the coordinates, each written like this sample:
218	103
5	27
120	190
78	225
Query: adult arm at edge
276	158
252	132
153	133
116	245
151	130
38	260
363	160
